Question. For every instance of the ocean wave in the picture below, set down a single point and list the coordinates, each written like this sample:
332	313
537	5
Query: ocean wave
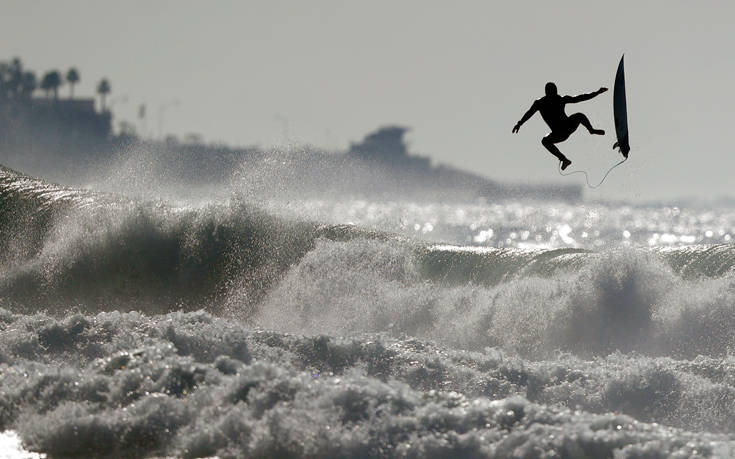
96	252
90	252
192	385
591	304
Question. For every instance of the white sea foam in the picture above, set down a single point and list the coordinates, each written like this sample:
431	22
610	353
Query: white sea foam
194	385
11	447
288	332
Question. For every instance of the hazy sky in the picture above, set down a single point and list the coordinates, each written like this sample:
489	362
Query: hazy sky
460	74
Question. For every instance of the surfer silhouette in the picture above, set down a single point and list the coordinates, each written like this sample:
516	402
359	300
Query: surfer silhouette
551	107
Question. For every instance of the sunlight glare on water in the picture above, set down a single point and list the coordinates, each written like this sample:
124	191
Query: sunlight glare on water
528	225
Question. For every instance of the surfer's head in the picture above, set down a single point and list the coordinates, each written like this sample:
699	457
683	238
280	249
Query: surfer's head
550	89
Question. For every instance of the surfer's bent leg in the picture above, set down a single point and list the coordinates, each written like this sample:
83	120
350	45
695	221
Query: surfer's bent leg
548	141
580	118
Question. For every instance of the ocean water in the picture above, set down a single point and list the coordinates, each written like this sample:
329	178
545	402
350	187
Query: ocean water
237	325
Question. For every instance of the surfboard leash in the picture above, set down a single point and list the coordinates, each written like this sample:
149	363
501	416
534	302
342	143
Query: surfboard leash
586	177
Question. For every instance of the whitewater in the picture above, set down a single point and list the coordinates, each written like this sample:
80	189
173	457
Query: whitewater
137	320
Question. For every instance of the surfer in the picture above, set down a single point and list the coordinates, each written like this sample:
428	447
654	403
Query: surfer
551	107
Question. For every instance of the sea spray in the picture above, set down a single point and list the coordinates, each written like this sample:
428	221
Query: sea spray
255	331
621	300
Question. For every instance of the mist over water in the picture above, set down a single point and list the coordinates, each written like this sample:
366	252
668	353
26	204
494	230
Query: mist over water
269	313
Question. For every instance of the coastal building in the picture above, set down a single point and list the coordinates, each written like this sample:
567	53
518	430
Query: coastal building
53	123
387	145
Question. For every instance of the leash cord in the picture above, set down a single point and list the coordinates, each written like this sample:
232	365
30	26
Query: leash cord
586	177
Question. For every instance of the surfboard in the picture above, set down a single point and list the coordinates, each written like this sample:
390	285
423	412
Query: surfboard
620	110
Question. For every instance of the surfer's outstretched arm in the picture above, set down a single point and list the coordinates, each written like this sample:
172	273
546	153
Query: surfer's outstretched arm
583	97
526	116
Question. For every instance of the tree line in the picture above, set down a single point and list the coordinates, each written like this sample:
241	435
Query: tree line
17	84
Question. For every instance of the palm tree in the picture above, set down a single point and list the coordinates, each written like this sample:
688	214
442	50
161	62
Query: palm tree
46	84
72	76
51	82
15	82
28	84
103	89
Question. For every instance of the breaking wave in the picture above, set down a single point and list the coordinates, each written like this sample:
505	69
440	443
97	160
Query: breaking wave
142	328
90	252
624	300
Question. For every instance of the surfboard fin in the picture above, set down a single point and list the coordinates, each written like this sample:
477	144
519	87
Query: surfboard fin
620	149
